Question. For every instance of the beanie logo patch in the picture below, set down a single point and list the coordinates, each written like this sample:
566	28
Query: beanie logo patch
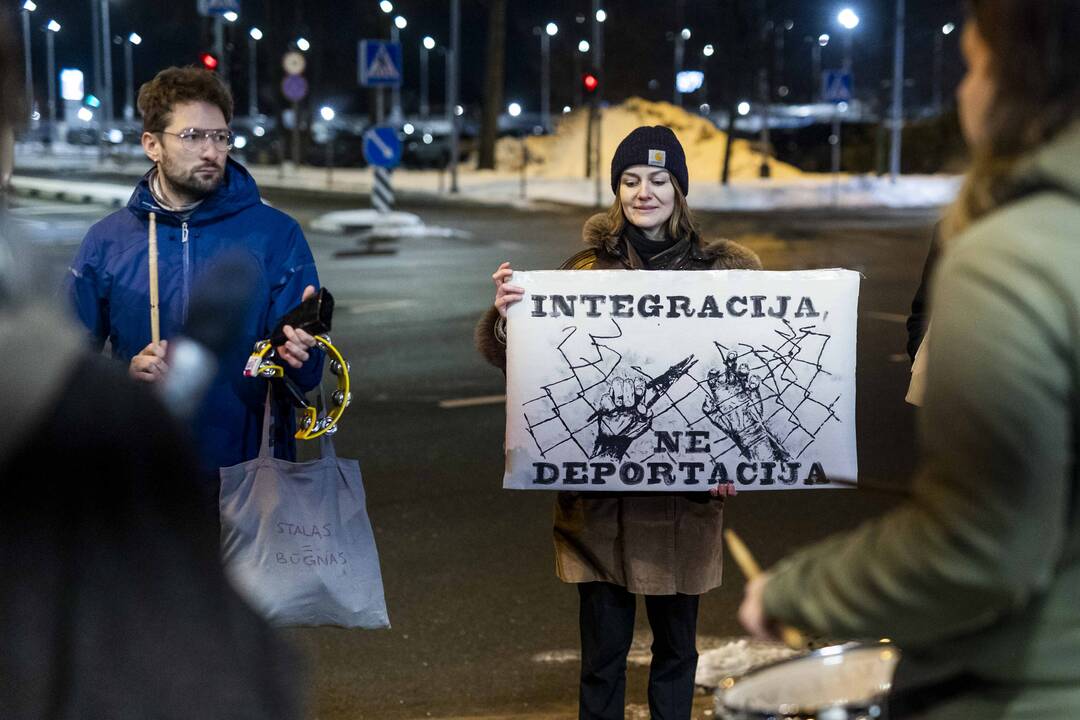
658	158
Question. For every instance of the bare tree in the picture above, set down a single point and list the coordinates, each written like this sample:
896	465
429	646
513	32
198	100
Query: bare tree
494	78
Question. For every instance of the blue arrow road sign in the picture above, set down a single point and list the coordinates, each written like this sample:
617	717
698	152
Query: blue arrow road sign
382	147
380	63
838	85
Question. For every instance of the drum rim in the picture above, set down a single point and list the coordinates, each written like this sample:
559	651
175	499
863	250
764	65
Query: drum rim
828	651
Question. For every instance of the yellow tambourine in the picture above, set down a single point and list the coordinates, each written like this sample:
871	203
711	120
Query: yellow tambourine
263	363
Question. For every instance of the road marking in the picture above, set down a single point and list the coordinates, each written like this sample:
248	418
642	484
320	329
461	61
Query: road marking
361	308
887	317
472	402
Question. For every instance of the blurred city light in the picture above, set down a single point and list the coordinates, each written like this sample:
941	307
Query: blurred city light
744	108
53	26
135	39
583	46
429	42
823	39
400	22
230	16
708	50
408	128
386	6
327	113
551	29
947	28
240	142
685	34
256	34
514	109
85	115
601	16
303	44
848	18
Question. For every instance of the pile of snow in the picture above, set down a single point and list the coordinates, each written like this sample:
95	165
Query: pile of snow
562	154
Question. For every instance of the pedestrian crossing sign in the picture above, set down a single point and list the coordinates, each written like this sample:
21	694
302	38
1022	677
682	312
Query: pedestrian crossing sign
379	63
837	86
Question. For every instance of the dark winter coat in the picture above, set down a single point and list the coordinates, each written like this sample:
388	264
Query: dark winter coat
109	288
652	544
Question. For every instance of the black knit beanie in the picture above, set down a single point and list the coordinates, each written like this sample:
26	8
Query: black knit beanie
656	146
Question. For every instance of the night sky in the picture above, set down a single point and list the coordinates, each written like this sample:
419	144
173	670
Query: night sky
636	45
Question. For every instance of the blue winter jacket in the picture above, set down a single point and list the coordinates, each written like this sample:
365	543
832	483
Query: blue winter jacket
109	287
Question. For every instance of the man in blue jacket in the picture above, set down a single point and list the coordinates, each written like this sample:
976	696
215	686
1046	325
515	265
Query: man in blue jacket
207	206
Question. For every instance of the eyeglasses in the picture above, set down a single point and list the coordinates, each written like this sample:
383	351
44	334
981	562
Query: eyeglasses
193	139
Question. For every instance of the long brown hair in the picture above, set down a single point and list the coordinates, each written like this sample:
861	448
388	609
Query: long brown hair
680	225
1035	51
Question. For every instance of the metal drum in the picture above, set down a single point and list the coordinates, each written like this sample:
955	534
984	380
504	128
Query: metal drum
843	682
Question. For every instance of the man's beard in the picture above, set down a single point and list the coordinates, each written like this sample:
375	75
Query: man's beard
191	183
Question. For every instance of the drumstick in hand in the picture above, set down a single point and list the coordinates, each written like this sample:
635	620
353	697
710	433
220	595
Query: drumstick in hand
746	562
155	323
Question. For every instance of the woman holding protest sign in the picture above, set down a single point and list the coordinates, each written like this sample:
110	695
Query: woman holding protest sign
616	545
977	576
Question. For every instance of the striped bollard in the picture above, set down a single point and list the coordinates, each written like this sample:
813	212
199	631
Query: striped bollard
382	193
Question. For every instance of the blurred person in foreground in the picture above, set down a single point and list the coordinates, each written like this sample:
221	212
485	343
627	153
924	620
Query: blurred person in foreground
207	206
113	602
977	576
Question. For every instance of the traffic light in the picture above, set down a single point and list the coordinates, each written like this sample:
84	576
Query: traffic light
209	60
590	83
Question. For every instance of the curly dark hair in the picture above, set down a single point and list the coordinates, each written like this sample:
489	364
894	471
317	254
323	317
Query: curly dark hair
175	85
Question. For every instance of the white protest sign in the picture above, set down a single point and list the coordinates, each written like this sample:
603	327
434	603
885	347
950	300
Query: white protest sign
679	381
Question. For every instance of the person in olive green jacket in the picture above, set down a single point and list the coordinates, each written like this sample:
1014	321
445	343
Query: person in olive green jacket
977	576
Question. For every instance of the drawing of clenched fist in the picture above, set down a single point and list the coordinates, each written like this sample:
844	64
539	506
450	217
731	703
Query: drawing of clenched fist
623	417
624	414
733	404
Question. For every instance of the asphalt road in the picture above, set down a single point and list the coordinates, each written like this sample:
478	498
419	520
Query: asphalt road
481	626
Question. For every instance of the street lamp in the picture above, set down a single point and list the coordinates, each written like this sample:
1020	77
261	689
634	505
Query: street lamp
582	48
386	6
849	20
939	46
230	16
514	109
550	30
27	8
302	44
815	64
680	49
426	46
399	24
51	29
133	39
254	36
601	16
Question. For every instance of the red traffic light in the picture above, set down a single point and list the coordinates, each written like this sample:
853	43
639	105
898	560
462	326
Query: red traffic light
590	82
208	61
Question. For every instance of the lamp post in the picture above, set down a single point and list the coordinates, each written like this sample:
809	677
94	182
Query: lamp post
595	113
706	52
106	66
254	36
51	29
815	65
939	42
27	8
549	31
400	23
426	46
849	20
129	76
680	50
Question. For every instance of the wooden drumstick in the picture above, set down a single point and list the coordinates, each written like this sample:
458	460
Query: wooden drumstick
155	323
746	562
